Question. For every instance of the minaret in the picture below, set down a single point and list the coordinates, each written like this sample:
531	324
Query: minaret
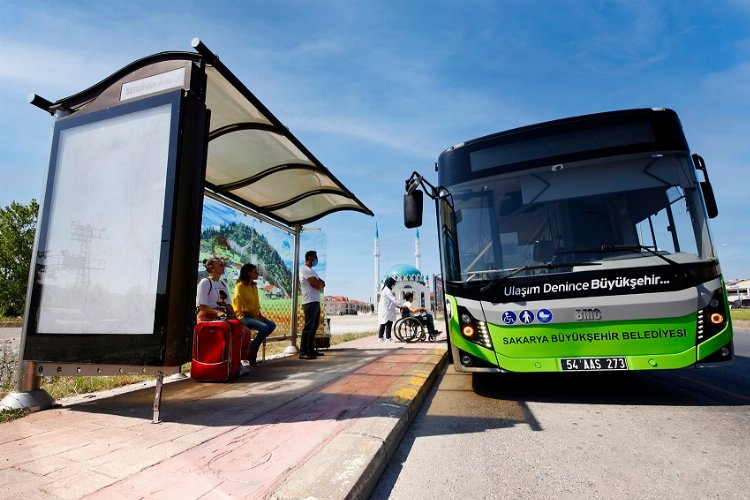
376	254
417	252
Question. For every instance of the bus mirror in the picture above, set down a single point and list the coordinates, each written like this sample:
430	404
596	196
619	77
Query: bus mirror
708	191
708	195
413	209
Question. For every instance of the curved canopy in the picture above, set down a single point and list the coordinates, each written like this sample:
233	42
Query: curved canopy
253	160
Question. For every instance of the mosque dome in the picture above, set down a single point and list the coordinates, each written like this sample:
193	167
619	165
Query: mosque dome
402	270
405	272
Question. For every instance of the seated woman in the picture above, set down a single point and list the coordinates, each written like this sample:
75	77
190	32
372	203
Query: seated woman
212	301
247	306
420	312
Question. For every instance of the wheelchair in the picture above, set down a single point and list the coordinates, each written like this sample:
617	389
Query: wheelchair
410	328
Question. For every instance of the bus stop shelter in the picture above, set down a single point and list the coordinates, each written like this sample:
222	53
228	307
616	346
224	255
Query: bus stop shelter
112	282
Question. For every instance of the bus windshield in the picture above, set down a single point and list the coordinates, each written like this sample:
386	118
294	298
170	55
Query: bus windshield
625	211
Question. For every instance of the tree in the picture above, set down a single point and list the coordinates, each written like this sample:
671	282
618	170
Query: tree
17	228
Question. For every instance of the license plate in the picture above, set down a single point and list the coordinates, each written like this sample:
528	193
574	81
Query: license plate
593	364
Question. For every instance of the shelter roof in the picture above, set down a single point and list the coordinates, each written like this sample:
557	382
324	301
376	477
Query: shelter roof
253	162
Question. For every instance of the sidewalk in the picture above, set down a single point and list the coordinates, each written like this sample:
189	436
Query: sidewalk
322	428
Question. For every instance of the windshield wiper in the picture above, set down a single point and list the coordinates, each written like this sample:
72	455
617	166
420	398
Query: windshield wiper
550	265
616	248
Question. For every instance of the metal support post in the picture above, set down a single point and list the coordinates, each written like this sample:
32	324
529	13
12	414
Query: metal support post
157	397
292	348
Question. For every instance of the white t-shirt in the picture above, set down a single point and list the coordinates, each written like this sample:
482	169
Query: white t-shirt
408	304
309	294
209	294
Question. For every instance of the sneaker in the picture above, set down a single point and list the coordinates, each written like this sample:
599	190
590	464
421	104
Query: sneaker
244	370
381	339
390	340
319	353
307	356
244	362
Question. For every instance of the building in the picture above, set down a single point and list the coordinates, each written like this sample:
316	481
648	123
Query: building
738	290
408	278
339	305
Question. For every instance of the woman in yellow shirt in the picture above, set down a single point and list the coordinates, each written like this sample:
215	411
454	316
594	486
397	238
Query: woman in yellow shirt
247	308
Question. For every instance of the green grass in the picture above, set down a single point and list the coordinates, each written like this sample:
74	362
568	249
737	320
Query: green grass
340	339
9	322
61	387
740	314
7	416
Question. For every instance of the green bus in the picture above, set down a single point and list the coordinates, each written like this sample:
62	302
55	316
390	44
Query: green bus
580	244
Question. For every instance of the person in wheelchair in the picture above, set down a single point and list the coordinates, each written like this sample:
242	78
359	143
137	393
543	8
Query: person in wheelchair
420	313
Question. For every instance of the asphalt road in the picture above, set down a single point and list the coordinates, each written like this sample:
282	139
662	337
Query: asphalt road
672	434
10	340
13	334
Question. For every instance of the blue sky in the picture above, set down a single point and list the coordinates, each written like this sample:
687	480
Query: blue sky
378	89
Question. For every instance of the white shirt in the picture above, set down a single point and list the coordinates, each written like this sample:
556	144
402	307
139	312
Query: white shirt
309	294
387	306
208	294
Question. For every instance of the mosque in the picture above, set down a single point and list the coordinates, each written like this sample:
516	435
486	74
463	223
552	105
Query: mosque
408	278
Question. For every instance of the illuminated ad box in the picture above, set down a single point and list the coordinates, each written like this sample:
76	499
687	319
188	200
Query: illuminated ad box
116	250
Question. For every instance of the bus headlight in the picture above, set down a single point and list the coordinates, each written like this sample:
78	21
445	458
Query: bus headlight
474	330
711	319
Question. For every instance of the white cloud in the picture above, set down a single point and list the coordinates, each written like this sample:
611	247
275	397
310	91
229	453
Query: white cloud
52	70
365	130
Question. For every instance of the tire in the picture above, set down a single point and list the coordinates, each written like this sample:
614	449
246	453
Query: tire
410	330
397	330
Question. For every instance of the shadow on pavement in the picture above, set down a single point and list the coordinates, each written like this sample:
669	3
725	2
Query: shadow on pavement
343	384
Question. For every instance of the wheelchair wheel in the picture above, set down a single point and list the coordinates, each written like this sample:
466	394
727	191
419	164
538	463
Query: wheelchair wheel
397	330
409	329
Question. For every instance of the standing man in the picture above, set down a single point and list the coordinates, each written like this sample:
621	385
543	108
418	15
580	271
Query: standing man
312	285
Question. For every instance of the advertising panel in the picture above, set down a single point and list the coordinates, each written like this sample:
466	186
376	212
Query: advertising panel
240	239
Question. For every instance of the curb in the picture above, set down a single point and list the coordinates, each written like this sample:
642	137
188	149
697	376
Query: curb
350	465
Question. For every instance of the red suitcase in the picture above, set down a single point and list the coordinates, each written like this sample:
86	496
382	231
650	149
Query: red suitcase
217	350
